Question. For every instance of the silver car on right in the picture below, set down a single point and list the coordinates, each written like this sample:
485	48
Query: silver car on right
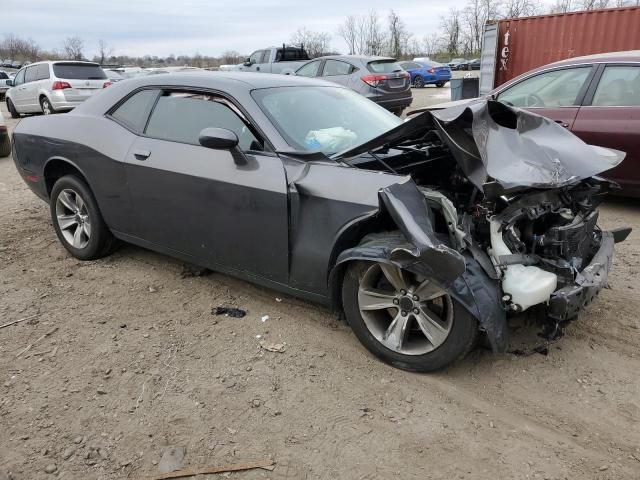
380	79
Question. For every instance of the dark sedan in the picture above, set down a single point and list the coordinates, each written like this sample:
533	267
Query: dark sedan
380	79
425	232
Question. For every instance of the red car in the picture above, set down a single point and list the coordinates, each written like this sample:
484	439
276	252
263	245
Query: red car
597	97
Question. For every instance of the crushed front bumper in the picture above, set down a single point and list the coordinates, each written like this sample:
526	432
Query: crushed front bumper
568	301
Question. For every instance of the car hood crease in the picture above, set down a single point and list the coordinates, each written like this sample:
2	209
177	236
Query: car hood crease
492	141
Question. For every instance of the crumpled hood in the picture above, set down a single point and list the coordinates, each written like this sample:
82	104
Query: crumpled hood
516	148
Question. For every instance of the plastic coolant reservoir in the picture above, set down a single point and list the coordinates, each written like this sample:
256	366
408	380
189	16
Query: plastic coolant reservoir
527	285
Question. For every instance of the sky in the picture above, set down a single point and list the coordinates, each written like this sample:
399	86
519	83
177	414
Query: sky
163	27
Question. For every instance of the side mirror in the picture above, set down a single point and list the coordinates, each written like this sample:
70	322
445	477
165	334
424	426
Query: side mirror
247	63
9	83
218	138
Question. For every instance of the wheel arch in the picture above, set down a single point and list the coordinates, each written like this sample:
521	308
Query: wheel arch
407	240
56	168
349	236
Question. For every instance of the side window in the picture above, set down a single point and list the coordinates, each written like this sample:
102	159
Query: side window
618	87
405	65
135	111
559	88
43	71
19	80
255	57
309	70
265	56
31	75
334	67
181	116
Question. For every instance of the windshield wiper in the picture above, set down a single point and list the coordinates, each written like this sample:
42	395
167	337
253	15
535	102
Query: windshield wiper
377	159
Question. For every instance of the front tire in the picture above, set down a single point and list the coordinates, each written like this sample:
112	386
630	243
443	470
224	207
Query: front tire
440	84
12	109
77	219
45	105
406	321
418	82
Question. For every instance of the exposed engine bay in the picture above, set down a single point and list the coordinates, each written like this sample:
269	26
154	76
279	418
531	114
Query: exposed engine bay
526	212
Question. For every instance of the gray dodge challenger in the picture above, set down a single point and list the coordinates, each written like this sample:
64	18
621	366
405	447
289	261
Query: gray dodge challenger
426	233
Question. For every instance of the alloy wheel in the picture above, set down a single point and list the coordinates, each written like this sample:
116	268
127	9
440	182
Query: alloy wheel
407	314
46	107
418	82
73	218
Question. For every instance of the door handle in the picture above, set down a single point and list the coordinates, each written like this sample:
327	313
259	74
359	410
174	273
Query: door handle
141	154
257	69
560	122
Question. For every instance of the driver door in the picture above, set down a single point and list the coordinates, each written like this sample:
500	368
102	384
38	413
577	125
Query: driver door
555	94
201	202
254	62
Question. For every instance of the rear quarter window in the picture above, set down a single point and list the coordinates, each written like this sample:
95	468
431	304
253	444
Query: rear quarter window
78	71
135	110
384	66
43	71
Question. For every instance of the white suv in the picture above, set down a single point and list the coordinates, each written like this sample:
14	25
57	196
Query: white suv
51	87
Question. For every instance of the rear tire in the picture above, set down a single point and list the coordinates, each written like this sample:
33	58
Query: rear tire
415	352
77	219
440	84
5	147
12	109
45	105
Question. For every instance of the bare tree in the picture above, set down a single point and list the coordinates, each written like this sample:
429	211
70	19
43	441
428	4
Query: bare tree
592	4
315	43
363	34
521	8
475	16
375	37
562	6
349	32
431	44
73	47
396	34
17	48
451	27
231	57
104	51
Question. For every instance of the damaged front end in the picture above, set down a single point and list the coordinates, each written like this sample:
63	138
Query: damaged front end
501	211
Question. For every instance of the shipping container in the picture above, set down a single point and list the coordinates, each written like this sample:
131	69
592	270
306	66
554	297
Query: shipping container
514	46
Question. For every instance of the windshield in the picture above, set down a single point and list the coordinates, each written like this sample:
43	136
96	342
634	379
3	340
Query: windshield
325	119
384	66
78	71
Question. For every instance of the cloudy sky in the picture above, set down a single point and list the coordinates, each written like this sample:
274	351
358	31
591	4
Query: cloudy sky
162	27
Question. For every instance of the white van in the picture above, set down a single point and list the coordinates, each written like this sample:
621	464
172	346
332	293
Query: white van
51	87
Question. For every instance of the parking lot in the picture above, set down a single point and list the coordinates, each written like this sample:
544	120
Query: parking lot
121	357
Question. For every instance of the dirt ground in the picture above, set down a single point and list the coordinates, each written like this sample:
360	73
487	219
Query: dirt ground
134	362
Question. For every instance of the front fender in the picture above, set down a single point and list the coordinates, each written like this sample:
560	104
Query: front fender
473	289
416	247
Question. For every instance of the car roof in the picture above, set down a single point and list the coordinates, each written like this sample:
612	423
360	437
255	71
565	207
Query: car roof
234	83
53	62
626	56
364	58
